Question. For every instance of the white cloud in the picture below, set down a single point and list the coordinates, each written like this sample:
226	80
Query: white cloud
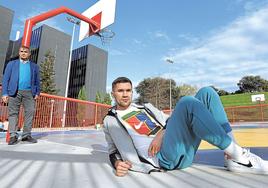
253	4
37	11
159	35
222	59
188	38
136	41
115	52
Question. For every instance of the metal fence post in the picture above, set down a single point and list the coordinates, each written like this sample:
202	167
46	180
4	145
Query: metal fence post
51	112
233	115
96	114
262	118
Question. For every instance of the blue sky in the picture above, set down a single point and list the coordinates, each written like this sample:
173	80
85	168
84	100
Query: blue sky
211	42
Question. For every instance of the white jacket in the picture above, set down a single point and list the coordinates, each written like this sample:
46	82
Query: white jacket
120	144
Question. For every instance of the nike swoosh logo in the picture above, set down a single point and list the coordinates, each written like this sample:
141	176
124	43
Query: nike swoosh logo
139	125
246	165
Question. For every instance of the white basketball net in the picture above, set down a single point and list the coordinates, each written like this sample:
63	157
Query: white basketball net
106	36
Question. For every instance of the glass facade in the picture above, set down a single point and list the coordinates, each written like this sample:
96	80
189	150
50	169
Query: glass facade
35	43
34	46
35	39
78	71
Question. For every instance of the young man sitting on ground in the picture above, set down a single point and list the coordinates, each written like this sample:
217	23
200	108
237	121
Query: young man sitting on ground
142	138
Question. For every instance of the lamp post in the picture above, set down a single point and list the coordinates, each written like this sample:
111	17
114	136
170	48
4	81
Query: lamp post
170	96
75	22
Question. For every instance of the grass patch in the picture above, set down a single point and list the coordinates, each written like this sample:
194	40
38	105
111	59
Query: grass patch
241	99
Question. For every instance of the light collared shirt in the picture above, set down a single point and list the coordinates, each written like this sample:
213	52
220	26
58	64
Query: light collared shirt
22	61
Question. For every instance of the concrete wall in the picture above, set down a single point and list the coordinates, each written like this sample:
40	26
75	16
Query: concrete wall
96	72
59	44
6	17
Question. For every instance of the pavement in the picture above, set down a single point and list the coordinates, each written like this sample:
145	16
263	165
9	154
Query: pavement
70	159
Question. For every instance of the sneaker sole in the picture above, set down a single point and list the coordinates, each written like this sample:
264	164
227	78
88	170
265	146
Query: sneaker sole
26	142
15	143
247	170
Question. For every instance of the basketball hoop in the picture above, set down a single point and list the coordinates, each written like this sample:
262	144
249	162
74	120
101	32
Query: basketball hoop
106	35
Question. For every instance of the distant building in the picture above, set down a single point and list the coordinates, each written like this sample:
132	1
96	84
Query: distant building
6	16
43	39
88	67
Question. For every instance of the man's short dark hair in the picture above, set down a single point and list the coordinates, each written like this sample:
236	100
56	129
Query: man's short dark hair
121	80
26	47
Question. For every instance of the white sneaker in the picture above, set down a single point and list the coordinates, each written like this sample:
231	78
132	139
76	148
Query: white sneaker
254	164
225	163
225	159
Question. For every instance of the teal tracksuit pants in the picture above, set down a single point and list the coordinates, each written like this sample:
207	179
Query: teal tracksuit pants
194	119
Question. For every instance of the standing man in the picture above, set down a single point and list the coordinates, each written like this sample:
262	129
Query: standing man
142	138
21	86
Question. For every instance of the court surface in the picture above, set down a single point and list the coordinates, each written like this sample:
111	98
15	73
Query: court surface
79	159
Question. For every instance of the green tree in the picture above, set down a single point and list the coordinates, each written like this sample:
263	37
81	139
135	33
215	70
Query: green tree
103	98
157	91
252	84
220	92
186	90
98	97
81	107
107	99
82	94
47	74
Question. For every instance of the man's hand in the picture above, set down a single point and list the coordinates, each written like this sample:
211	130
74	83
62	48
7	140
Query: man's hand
5	99
36	97
122	167
156	144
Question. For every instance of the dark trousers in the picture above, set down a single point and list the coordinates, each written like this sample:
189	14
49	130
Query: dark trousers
24	98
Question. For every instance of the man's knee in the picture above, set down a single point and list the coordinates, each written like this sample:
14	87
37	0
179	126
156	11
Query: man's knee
29	108
206	91
187	100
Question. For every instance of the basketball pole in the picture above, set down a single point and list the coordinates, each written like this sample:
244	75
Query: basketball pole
69	69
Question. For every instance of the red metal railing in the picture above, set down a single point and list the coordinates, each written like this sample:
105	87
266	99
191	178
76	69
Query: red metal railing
83	114
49	112
245	113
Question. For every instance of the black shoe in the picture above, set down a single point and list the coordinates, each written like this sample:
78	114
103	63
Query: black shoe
29	139
13	140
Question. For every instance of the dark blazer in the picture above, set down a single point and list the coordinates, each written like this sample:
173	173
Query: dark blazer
11	79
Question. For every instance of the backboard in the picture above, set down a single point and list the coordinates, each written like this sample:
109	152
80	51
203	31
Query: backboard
102	12
258	98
